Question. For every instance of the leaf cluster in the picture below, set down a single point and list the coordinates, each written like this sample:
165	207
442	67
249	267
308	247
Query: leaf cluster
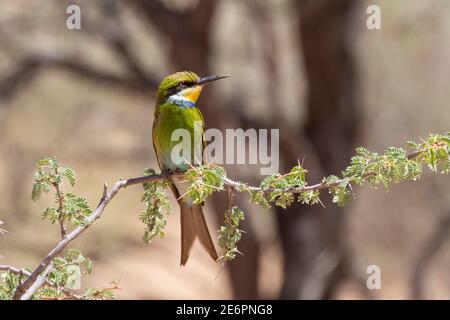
230	234
157	203
64	279
68	206
203	181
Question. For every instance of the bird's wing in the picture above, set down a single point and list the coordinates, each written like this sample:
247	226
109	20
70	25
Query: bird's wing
203	135
153	141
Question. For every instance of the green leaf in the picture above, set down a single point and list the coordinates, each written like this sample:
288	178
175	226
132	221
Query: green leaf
74	277
309	197
70	175
259	198
49	162
284	199
203	181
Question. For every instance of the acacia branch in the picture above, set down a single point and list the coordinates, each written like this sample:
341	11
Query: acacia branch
26	289
318	186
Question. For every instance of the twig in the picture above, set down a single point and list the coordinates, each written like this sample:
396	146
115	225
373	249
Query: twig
24	272
60	209
17	271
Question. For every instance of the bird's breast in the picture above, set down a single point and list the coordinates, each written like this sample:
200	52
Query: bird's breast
181	129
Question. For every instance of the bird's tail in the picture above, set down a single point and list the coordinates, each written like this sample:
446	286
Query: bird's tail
193	225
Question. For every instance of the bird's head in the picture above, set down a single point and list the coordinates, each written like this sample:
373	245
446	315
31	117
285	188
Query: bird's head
183	88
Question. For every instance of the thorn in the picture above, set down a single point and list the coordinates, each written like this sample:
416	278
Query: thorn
322	203
351	189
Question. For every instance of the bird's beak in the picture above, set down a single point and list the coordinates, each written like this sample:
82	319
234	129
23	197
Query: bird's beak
206	80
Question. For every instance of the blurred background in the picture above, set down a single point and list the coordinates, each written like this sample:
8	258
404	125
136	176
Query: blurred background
309	67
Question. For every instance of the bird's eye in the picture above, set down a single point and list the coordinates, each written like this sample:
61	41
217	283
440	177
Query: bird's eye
182	85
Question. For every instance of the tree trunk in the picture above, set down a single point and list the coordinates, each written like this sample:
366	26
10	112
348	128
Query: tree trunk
315	259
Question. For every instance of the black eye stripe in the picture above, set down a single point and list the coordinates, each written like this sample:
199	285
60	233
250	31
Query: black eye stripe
180	86
185	84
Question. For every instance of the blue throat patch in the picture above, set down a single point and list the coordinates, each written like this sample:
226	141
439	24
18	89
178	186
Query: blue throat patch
183	103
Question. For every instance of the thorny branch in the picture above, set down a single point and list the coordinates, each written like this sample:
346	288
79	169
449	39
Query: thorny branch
60	209
38	277
26	289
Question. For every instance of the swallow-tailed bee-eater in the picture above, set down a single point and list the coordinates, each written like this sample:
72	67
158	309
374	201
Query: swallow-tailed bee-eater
176	108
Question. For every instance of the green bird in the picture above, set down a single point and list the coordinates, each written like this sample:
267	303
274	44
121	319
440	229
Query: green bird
176	108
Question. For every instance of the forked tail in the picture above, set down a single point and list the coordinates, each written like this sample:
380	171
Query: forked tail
193	224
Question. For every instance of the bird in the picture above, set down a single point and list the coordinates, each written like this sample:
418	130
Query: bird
176	108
